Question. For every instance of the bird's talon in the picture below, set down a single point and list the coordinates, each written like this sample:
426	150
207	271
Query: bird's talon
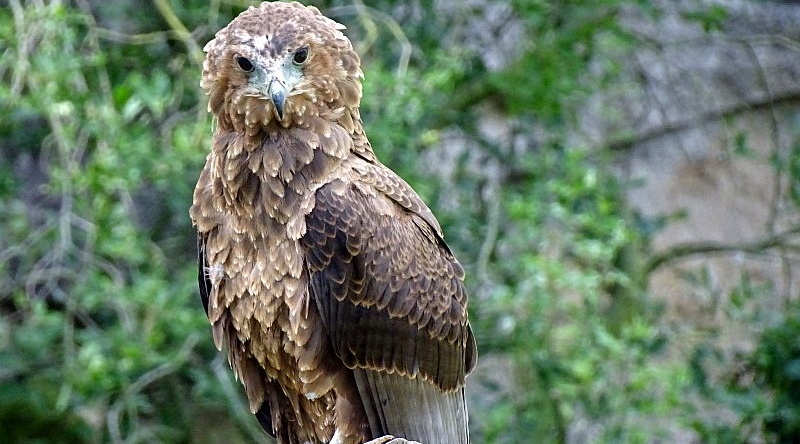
389	439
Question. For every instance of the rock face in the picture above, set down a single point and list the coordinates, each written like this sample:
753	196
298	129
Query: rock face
698	121
701	120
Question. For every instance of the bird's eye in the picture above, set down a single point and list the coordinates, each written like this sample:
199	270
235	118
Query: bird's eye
244	64
300	56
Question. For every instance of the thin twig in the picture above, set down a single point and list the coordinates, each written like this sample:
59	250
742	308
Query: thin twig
135	39
149	377
234	401
492	229
391	24
25	43
777	180
178	27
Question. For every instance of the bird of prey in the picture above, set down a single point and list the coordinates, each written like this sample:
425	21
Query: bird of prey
324	276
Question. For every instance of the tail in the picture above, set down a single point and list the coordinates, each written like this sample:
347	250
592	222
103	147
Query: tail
413	409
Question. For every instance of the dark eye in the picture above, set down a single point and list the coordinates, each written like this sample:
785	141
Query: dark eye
300	56
244	64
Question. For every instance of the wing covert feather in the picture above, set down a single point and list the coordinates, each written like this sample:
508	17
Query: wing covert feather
390	293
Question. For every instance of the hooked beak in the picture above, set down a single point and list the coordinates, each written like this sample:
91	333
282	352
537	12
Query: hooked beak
277	93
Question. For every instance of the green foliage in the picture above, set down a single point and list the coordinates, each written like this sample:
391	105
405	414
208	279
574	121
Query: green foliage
100	327
581	336
551	75
761	389
776	364
710	18
42	424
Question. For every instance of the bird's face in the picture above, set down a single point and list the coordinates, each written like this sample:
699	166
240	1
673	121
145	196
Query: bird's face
263	74
282	63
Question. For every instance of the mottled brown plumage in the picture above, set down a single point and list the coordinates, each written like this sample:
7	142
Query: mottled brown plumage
324	276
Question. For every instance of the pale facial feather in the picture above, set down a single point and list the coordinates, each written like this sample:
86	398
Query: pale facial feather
269	36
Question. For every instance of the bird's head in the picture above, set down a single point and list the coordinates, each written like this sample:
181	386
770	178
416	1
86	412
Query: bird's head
281	63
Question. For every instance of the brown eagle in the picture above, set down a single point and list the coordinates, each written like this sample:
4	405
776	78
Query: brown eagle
324	276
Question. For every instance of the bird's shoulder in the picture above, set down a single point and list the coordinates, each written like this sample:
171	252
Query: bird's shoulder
381	191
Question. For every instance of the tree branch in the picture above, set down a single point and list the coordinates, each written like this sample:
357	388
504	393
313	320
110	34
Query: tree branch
178	28
625	142
682	251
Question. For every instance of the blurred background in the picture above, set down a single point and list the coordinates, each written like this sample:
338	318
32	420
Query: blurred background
620	179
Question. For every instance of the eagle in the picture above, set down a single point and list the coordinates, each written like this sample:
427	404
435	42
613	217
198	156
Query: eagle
324	276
